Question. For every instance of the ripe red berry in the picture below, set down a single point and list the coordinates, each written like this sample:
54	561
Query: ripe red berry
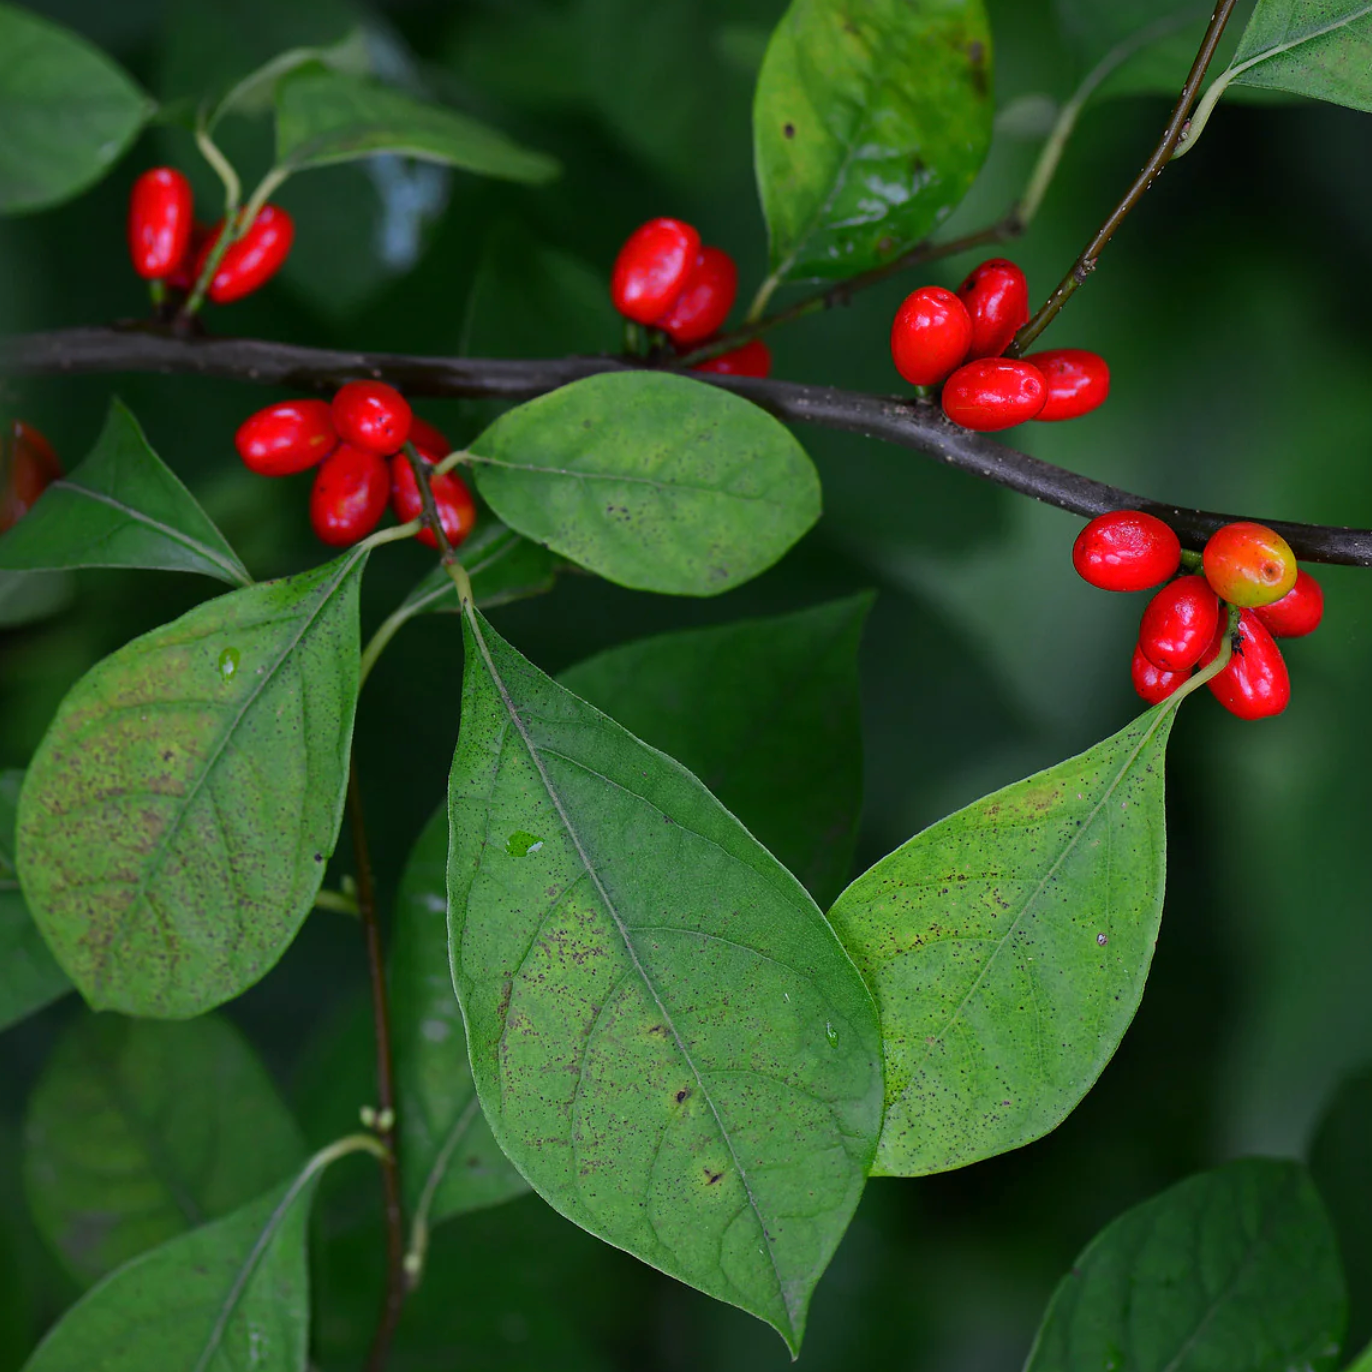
372	415
253	259
286	438
995	393
456	508
1150	681
1179	623
1255	683
754	358
1298	612
349	495
705	300
1078	382
428	441
930	335
652	268
997	299
1126	550
159	222
28	466
1249	565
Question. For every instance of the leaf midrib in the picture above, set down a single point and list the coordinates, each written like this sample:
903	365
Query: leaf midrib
1277	50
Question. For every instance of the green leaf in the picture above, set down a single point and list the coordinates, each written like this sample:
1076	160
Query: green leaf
1363	1363
67	113
122	507
766	713
324	117
27	597
139	1131
655	482
503	567
179	813
452	1163
1234	1268
1317	48
869	125
255	93
29	975
1008	946
667	1038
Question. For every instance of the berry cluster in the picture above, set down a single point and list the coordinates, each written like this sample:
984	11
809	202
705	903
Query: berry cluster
957	340
168	246
664	279
1244	565
358	444
28	466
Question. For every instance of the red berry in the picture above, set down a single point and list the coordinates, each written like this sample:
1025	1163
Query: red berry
1179	623
428	441
1078	382
286	438
997	299
372	415
1150	681
159	222
252	260
1298	612
1255	683
930	335
456	508
1126	550
754	358
349	495
28	466
652	267
705	299
1249	564
996	393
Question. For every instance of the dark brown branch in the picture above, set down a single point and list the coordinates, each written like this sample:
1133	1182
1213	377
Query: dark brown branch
396	1287
911	424
1086	263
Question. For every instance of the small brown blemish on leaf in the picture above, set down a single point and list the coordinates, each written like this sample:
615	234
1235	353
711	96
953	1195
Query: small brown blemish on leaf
788	130
681	1095
712	1177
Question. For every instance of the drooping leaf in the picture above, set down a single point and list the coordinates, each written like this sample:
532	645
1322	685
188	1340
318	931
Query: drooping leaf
503	567
122	507
1234	1268
323	117
139	1131
29	975
1007	947
766	713
452	1164
67	112
1317	48
869	125
654	481
27	597
667	1039
177	817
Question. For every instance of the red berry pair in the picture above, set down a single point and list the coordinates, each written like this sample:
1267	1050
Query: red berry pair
28	466
367	423
957	339
166	243
1245	565
665	279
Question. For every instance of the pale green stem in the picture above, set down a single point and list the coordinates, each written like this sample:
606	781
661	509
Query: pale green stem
209	150
453	459
338	901
764	294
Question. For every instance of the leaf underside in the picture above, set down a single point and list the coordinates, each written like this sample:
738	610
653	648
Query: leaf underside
1317	48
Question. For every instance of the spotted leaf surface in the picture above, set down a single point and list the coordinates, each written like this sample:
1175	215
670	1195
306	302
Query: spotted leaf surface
176	820
1008	946
667	1038
1317	48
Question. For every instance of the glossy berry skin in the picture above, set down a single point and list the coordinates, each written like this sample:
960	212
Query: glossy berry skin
1255	683
754	358
1298	612
1150	681
1078	382
160	221
349	495
652	268
997	299
994	393
428	441
28	466
456	508
705	299
372	415
253	259
1249	565
930	336
1179	623
286	438
1126	550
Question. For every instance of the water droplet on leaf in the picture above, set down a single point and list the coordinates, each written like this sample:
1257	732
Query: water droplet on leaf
228	662
831	1034
520	844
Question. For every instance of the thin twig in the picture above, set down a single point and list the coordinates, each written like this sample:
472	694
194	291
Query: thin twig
426	497
1086	263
